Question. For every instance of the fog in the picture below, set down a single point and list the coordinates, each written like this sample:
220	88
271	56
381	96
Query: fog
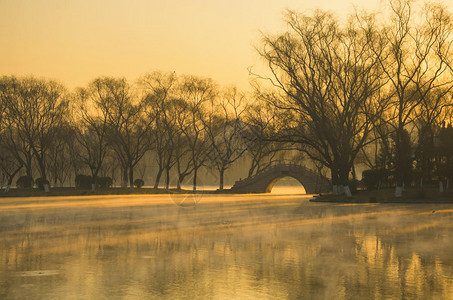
223	247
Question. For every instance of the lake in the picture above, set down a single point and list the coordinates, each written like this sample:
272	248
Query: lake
222	247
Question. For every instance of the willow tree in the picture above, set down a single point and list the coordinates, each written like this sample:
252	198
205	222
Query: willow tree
416	61
92	116
128	124
225	128
159	89
327	78
196	93
261	122
36	109
11	156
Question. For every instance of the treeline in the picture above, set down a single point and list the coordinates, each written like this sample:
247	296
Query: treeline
374	90
183	123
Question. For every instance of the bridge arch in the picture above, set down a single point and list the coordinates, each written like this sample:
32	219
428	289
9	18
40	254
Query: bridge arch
265	180
273	184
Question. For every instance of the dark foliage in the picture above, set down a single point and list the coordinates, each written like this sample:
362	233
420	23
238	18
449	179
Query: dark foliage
104	182
138	183
353	185
24	182
40	182
83	181
370	178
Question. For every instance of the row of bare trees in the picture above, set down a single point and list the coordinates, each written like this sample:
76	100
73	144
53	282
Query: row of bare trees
184	123
340	93
342	89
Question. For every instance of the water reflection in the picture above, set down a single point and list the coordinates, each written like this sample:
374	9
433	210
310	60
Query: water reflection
253	246
288	186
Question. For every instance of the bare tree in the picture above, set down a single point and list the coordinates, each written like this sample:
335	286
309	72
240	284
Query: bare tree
326	77
59	160
225	129
429	118
12	141
261	122
129	125
37	109
196	93
93	106
160	91
9	167
416	61
179	142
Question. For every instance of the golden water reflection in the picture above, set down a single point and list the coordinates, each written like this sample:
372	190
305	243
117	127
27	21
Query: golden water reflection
288	186
225	247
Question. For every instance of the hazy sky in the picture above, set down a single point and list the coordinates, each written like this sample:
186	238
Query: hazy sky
76	40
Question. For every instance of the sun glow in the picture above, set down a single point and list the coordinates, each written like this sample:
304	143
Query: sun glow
288	186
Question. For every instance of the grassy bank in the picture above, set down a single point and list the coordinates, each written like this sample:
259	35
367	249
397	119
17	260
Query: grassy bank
71	191
411	195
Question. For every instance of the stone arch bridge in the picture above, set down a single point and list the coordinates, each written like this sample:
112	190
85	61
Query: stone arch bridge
265	180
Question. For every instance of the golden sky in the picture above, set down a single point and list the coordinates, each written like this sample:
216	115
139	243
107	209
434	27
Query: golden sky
75	41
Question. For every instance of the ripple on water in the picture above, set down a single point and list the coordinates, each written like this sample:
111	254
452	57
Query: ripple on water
38	273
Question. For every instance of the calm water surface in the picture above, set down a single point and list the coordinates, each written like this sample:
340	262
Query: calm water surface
224	247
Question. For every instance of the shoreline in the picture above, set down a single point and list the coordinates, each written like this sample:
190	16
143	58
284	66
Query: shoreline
72	191
411	196
386	196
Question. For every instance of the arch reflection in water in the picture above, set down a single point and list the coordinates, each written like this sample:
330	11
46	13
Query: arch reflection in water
287	186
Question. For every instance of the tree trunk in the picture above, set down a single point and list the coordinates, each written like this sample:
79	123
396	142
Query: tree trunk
124	181
43	174
222	171
28	165
344	181
195	170
399	161
159	174
131	177
334	176
398	191
167	178
347	191
93	180
11	177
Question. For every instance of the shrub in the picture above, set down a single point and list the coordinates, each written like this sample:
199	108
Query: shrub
370	178
104	182
138	183
353	185
40	182
24	182
83	181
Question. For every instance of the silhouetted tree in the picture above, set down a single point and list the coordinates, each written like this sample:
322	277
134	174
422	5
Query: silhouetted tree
9	167
92	114
128	125
160	92
195	93
261	120
225	128
36	109
59	160
12	141
327	78
415	61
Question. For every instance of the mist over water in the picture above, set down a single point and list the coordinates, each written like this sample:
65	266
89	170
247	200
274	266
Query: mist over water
224	247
